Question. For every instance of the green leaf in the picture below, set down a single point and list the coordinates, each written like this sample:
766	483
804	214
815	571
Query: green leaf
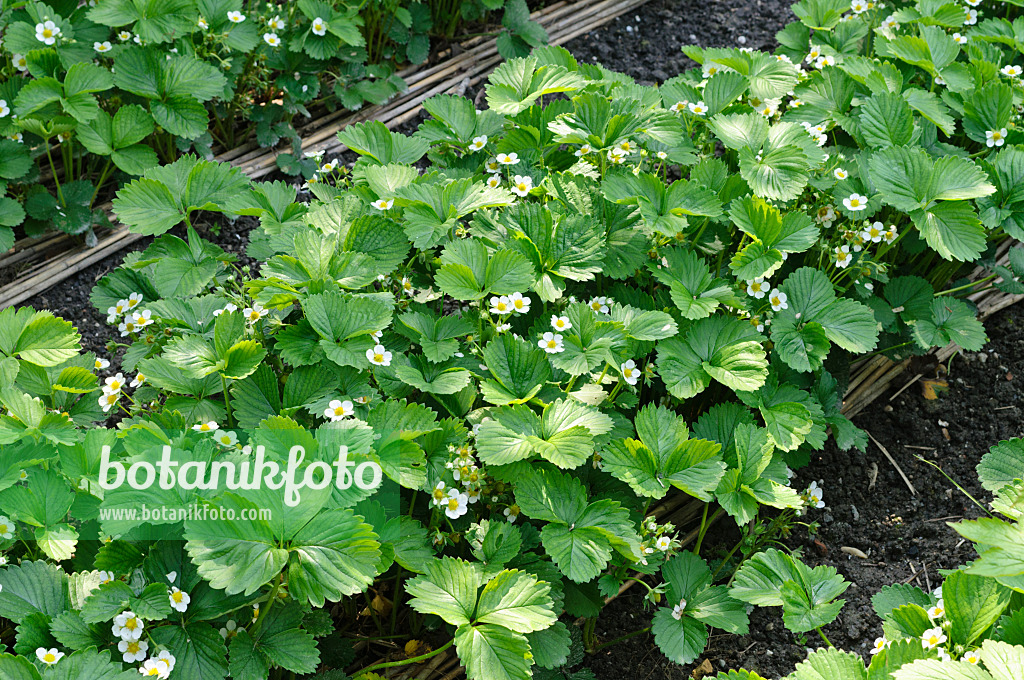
973	604
516	84
493	652
46	340
198	649
681	640
374	141
469	272
951	321
516	600
886	120
448	588
722	348
664	456
519	370
1003	464
32	587
830	664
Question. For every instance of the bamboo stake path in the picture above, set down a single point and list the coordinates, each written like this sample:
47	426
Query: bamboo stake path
52	258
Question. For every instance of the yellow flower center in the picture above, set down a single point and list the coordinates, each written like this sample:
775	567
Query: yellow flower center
841	256
521	186
453	504
177	596
133	647
501	306
552	344
438	494
379	358
4	529
130	623
49	658
627	372
518	304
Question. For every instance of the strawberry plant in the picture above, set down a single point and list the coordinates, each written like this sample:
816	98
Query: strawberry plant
446	401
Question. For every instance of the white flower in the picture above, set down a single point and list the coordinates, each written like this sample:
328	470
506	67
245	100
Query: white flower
501	328
560	323
378	356
932	638
478	143
698	108
823	61
20	62
501	305
943	654
108	400
457	504
210	426
383	203
843	258
710	70
679	107
228	439
938	611
134	300
858	6
880	644
492	166
124	35
758	287
973	3
201	23
113	384
494	181
661	155
230	629
890	234
102	47
960	39
663	543
4	109
166	659
551	343
437	494
677	610
583	151
236	17
840	173
254	313
106	576
778	300
319	27
338	409
971	658
856	202
813	54
142	319
100	364
6	527
48	656
890	22
520	303
275	24
599	304
629	372
971	17
815	496
127	626
508	158
272	39
617	155
521	185
995	137
16	137
512	513
47	32
179	599
873	232
133	651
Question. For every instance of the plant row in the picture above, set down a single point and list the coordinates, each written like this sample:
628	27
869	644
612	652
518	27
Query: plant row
94	95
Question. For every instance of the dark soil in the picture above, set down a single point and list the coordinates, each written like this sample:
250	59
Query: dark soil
869	507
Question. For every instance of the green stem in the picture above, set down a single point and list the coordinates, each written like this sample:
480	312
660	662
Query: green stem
967	285
100	181
270	602
703	528
620	639
227	400
827	641
406	662
53	169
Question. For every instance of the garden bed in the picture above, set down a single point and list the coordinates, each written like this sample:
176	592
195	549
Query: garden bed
904	536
